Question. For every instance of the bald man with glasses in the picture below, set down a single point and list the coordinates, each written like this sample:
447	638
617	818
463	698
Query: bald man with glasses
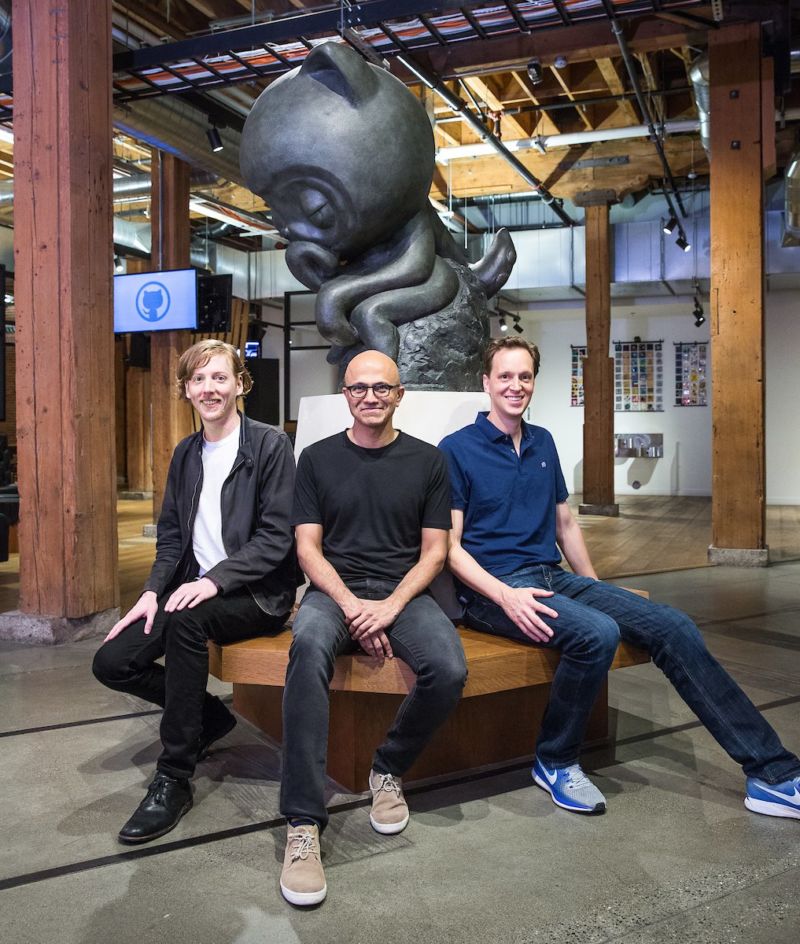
371	515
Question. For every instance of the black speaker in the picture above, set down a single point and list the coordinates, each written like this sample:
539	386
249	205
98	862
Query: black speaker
214	297
263	401
138	350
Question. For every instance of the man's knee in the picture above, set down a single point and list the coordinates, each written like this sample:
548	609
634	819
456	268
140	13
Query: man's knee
600	635
108	669
311	644
100	665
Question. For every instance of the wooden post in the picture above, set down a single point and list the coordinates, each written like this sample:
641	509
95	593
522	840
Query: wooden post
739	150
598	367
169	216
65	341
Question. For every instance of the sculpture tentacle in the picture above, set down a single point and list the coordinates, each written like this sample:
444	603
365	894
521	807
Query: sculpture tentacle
493	270
408	260
375	318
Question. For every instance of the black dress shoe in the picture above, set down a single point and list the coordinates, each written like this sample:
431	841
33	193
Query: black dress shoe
215	728
160	811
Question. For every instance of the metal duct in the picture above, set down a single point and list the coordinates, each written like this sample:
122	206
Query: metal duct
172	125
137	236
544	143
699	77
124	187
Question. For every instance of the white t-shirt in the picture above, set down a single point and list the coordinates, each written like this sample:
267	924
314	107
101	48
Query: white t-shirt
218	459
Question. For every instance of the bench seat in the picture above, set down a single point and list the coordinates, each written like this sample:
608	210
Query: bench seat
495	722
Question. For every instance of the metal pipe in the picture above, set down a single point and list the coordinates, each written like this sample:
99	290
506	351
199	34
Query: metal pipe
457	105
616	29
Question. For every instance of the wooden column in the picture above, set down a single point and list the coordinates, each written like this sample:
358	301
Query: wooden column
739	149
598	367
169	215
65	341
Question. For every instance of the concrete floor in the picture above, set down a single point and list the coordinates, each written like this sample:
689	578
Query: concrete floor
676	858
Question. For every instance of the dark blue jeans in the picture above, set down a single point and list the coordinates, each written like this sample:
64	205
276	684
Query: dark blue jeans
422	636
592	616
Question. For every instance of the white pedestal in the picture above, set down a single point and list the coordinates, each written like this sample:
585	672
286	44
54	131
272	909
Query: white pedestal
427	414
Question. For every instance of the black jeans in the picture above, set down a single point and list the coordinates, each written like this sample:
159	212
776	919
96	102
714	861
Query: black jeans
422	636
128	664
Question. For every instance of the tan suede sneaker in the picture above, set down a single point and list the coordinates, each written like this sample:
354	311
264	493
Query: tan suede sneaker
302	878
389	809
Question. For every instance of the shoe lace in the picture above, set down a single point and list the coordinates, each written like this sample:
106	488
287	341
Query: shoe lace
158	788
389	784
302	845
576	778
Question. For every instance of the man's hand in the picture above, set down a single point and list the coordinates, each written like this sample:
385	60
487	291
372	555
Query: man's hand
523	609
367	621
190	594
144	608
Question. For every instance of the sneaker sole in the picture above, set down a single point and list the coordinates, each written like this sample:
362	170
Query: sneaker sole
304	899
136	840
600	808
389	829
771	809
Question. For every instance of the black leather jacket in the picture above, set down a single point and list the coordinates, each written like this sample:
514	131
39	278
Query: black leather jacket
256	508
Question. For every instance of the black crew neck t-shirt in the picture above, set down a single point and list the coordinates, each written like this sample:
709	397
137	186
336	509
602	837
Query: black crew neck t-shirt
372	503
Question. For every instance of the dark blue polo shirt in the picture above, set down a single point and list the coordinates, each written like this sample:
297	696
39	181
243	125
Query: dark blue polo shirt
509	500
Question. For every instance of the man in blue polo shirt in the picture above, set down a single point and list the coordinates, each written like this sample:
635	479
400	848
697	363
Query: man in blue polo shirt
510	517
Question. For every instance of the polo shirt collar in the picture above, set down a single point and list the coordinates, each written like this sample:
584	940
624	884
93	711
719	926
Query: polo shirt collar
493	434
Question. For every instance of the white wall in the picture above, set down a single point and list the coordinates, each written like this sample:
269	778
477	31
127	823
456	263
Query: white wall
686	466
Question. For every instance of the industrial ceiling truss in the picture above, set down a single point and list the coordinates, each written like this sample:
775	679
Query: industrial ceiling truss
384	27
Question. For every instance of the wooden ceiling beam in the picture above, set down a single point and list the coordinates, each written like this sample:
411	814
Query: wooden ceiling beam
650	85
560	77
491	175
512	127
544	124
581	42
616	85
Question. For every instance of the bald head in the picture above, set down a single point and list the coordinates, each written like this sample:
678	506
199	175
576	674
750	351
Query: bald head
373	363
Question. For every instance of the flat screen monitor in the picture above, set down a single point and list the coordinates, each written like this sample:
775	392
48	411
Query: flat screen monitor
155	301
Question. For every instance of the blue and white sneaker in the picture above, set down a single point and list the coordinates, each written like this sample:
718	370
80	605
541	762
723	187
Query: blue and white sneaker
774	799
569	787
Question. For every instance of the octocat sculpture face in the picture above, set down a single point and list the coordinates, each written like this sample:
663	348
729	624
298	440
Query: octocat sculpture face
340	150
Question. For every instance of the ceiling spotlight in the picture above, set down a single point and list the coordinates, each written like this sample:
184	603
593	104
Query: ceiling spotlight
119	265
517	327
683	243
560	62
670	225
535	71
503	325
699	317
214	140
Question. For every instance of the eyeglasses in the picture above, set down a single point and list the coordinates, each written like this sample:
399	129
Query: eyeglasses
381	390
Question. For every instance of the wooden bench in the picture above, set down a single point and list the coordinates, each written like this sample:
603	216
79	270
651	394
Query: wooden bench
495	722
